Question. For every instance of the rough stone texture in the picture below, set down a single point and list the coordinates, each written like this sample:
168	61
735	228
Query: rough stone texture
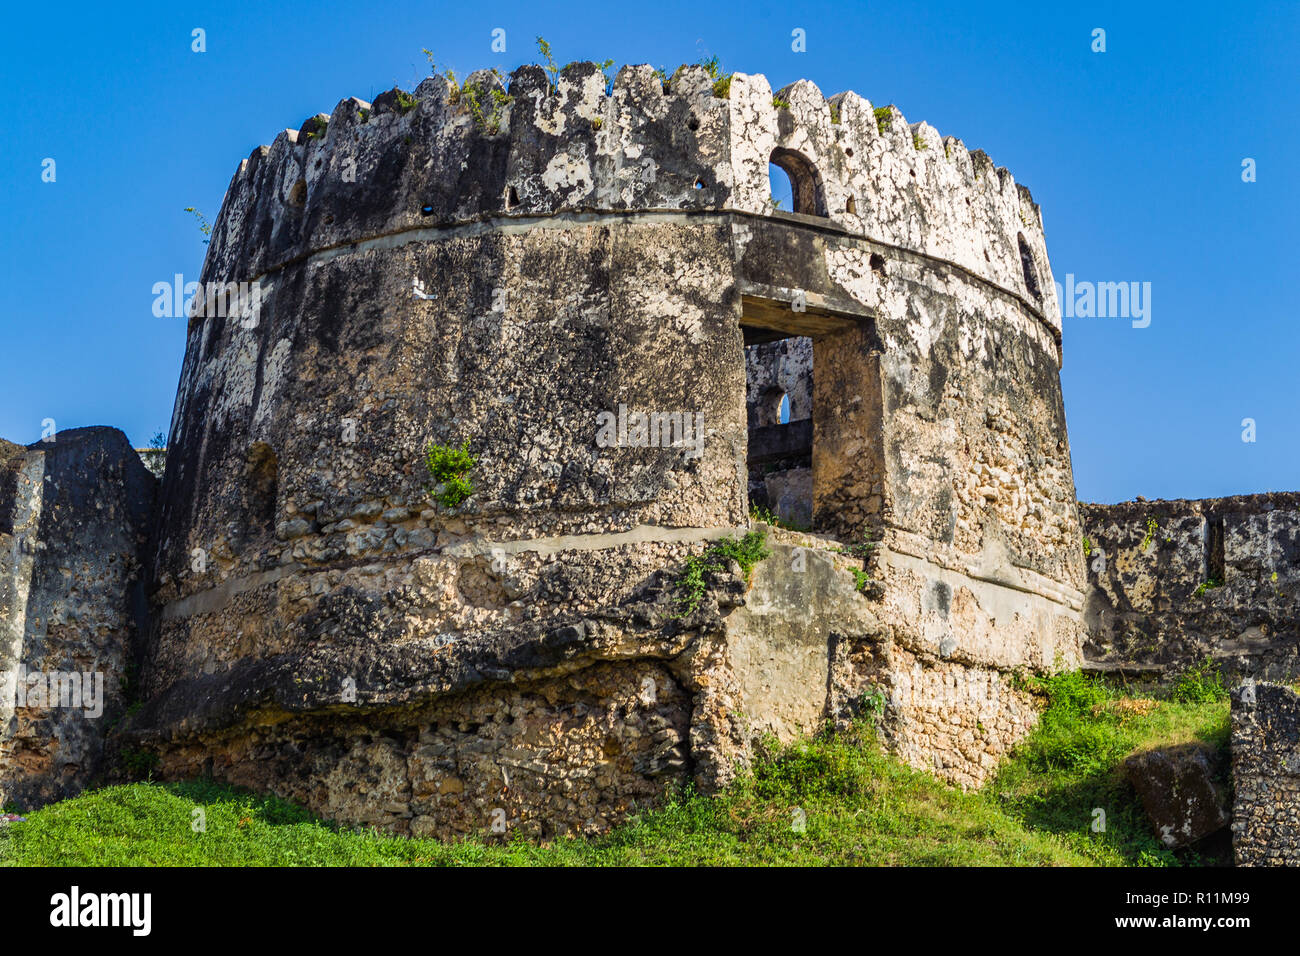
1180	792
73	528
1143	610
313	606
1266	775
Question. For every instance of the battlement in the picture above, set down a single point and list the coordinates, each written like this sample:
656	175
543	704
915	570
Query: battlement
440	158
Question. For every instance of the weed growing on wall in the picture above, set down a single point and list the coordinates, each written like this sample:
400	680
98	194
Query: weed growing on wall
1150	536
448	467
746	551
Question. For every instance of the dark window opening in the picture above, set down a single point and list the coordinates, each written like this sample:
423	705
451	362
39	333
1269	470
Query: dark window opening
261	484
1214	560
1031	271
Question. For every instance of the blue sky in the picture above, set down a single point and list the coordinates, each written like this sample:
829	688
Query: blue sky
1135	155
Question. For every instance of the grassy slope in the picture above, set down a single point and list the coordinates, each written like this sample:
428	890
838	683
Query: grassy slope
862	808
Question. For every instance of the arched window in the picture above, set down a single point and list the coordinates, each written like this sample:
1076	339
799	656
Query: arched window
806	193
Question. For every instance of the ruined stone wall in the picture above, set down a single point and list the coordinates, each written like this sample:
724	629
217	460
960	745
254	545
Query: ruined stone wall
1175	582
74	513
1266	775
424	276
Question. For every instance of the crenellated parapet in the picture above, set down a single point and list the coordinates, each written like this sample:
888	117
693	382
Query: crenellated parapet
443	156
873	174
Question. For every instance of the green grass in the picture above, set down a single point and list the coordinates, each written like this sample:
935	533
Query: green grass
1072	764
859	806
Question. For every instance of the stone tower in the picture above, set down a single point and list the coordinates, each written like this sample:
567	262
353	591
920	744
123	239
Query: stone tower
591	288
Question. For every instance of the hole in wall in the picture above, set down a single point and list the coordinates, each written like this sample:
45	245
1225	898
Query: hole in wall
1030	270
1214	557
878	263
693	122
261	477
298	194
426	210
849	151
699	184
851	207
512	197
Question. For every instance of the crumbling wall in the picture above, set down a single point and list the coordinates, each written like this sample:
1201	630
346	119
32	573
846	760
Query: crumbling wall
1266	775
74	513
1175	582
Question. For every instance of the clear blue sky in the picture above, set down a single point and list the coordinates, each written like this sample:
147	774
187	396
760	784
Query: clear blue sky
1135	155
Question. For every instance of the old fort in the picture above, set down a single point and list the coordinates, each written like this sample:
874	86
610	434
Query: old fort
866	505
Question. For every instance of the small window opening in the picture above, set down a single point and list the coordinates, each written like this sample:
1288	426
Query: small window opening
1214	554
1031	272
851	207
261	476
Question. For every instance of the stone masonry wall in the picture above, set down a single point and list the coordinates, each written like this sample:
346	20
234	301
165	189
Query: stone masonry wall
1266	775
1174	582
74	514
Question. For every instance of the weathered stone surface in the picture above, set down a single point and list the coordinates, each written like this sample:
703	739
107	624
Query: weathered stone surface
74	518
1265	775
1174	582
1180	792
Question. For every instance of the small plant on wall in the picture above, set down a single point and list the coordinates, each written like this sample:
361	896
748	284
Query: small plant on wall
448	467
